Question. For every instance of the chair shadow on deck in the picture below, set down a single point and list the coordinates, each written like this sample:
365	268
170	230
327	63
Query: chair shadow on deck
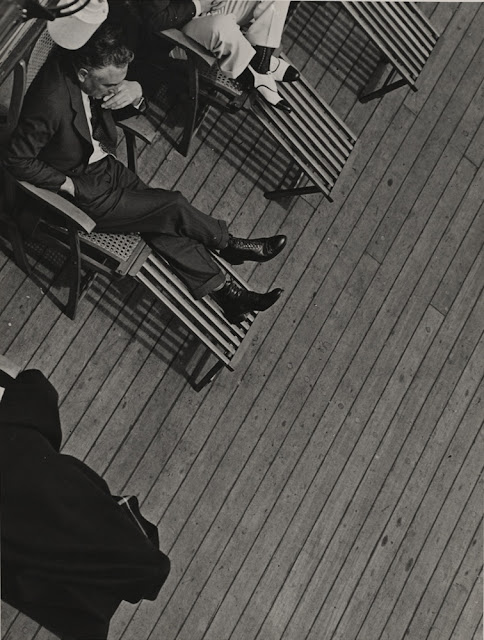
129	306
332	43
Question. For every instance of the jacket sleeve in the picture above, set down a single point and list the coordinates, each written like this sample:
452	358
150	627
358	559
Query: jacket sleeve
165	14
38	124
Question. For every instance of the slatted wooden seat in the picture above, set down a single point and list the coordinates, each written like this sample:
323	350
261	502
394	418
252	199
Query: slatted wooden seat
404	36
203	318
315	137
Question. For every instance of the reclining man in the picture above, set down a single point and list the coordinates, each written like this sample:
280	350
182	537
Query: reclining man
65	142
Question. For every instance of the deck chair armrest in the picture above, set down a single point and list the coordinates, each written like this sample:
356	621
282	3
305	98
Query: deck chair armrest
140	126
61	205
178	38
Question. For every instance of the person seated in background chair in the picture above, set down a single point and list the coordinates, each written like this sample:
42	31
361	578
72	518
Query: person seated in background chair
71	551
65	141
216	25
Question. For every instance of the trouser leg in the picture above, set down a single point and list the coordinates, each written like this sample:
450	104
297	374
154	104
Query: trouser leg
267	25
121	203
221	35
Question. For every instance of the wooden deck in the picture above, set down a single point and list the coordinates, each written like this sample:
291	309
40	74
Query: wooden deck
331	487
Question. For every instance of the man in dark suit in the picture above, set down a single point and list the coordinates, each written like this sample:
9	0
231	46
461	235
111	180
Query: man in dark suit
65	140
71	551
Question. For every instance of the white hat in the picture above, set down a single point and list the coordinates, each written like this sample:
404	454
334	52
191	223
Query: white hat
72	32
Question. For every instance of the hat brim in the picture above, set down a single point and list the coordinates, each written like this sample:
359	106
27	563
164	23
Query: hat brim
70	32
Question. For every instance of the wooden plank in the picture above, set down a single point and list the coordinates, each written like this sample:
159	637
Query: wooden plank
8	614
242	396
284	413
175	512
342	334
469	123
462	262
239	128
258	538
63	331
125	415
111	392
463	499
435	140
24	294
475	152
89	384
84	343
448	50
470	622
23	628
289	549
328	578
451	584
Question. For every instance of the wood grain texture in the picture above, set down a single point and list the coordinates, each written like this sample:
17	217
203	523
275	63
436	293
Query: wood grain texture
329	488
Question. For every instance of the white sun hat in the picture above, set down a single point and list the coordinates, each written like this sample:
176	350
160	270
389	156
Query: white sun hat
72	32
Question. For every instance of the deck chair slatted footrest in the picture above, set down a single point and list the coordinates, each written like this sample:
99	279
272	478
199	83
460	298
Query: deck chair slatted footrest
404	36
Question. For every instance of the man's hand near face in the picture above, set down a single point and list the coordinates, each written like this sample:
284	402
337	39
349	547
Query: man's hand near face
126	93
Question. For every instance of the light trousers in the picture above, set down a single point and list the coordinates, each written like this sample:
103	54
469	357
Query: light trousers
221	33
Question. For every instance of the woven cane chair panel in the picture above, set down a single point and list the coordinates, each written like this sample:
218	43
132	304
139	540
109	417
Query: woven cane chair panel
39	55
119	245
215	76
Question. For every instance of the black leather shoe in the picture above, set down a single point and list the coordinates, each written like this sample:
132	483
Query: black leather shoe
282	105
236	302
256	250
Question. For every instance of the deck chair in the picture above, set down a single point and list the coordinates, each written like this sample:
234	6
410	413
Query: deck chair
206	84
404	37
53	220
313	135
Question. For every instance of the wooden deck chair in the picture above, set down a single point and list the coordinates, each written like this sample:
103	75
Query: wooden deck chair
312	134
63	225
405	38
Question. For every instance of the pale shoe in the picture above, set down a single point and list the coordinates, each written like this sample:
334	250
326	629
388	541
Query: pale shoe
282	71
266	86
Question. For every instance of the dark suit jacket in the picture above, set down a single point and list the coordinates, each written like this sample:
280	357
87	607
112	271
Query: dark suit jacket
70	553
52	137
158	15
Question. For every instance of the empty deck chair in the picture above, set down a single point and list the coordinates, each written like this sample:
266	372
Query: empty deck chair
313	135
405	38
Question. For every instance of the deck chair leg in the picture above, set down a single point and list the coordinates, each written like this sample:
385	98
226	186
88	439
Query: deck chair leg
74	275
18	248
192	106
131	151
298	191
209	376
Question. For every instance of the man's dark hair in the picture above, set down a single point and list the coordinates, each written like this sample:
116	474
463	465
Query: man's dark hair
103	49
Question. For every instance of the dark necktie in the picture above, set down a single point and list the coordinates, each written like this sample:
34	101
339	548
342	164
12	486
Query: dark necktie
99	131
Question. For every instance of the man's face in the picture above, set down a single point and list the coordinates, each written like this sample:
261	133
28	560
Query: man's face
98	83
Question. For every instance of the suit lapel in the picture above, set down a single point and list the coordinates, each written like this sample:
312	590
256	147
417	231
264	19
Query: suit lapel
80	118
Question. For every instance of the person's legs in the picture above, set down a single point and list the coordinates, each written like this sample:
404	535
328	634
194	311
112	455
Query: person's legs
221	35
121	203
246	56
267	25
